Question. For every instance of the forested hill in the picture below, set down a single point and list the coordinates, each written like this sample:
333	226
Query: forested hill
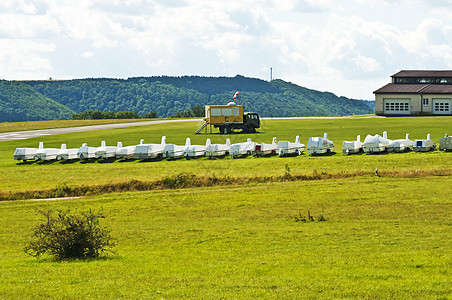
168	95
20	102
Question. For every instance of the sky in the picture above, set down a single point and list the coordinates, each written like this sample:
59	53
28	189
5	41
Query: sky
347	47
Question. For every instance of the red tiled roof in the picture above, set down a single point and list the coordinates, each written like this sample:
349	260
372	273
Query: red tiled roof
392	88
437	89
423	73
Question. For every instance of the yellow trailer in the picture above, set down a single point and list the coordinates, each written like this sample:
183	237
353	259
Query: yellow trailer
230	117
223	114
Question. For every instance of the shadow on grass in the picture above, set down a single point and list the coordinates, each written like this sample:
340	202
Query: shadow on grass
46	162
123	160
68	161
151	159
107	160
50	259
324	154
285	155
26	162
88	161
377	153
232	133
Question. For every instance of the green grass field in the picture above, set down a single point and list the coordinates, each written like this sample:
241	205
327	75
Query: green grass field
385	237
382	239
14	177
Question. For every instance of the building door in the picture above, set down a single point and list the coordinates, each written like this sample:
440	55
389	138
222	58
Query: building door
396	106
441	106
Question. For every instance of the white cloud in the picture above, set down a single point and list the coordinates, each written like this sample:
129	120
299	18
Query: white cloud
24	59
347	48
366	64
20	6
19	25
438	3
305	6
88	54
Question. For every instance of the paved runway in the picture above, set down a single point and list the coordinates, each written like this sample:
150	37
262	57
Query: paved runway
22	135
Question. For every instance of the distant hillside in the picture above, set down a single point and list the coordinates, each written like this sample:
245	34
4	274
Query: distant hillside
168	95
20	102
371	103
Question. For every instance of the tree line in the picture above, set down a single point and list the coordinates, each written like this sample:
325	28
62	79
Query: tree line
97	115
195	111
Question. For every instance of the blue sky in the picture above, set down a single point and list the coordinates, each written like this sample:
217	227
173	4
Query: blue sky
348	47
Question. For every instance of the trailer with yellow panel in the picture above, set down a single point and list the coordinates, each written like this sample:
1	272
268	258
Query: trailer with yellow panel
230	117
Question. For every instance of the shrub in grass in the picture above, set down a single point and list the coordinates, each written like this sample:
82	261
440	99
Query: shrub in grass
309	218
67	235
287	174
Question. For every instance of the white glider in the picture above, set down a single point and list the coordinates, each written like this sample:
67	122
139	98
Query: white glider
320	145
195	150
46	153
401	145
127	151
147	151
217	149
67	154
25	154
349	147
105	151
245	148
286	147
445	143
173	151
266	149
424	145
376	143
85	152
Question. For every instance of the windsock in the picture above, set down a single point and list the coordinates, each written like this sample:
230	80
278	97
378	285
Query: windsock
235	96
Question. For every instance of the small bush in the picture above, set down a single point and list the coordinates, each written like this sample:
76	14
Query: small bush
287	174
299	217
321	218
69	235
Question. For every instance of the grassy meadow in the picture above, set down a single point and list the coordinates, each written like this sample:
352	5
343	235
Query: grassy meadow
382	239
385	237
19	177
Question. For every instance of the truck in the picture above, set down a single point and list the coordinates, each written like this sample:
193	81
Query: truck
230	117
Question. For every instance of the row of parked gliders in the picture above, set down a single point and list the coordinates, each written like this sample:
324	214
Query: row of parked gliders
316	146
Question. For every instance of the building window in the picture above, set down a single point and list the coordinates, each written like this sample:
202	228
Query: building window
397	106
226	112
442	106
424	101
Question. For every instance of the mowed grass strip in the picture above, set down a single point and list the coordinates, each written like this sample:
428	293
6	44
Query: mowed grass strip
23	177
186	180
384	238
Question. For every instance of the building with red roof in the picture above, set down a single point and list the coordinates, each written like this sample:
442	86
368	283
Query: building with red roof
416	92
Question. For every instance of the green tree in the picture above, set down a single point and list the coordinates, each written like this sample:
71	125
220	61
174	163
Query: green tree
198	110
109	115
150	115
127	115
